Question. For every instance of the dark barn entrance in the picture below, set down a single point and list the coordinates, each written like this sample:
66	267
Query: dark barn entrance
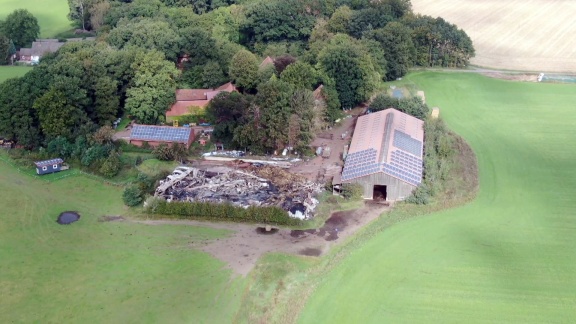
379	192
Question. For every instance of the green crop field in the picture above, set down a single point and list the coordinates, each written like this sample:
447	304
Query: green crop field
51	14
506	257
7	72
101	272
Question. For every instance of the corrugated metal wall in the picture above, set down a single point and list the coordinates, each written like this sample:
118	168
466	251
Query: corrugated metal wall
395	189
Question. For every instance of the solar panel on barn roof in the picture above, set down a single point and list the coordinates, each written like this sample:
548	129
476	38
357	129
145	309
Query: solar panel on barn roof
160	133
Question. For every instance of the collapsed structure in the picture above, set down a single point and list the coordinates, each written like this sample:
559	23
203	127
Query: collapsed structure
251	186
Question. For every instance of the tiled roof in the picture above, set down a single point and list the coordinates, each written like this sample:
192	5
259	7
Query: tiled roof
191	94
387	141
181	107
268	60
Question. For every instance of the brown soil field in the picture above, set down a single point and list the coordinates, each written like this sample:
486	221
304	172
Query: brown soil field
528	35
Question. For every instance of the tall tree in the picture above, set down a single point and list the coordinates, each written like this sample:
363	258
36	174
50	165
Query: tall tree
227	110
153	89
244	70
148	34
277	20
21	27
57	116
351	68
301	75
274	99
400	52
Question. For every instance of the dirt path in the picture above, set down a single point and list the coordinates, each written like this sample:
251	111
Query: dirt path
242	249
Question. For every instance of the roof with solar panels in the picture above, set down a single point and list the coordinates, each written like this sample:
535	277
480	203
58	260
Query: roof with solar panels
387	141
161	133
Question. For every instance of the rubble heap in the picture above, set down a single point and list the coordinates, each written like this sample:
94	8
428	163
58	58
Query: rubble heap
253	186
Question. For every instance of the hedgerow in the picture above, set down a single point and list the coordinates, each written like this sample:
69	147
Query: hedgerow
228	212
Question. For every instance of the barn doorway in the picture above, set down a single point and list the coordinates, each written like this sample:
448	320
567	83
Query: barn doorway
379	192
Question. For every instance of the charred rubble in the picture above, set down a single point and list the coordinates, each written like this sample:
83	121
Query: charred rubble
252	186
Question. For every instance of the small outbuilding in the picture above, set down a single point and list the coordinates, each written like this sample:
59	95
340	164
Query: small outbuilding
50	166
386	155
156	135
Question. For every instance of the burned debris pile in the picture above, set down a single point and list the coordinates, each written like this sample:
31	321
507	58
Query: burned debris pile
252	186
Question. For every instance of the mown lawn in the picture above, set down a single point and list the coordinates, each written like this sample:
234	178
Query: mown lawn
102	272
7	72
506	257
51	14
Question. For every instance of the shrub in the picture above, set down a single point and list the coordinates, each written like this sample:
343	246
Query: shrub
132	195
352	191
111	165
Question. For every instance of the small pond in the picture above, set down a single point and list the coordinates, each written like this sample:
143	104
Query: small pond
68	217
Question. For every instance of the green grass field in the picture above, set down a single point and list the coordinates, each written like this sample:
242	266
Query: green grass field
51	14
101	272
7	72
506	257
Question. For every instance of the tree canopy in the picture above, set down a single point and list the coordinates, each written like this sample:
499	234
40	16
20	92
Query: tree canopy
21	27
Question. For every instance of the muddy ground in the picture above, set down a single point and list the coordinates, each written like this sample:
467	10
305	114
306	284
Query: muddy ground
243	248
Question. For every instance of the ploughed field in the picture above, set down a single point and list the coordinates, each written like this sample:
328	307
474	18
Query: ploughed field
536	35
508	256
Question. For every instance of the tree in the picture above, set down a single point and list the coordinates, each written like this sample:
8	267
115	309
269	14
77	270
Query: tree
103	135
277	20
400	52
111	165
227	111
148	34
413	106
282	62
274	99
21	27
340	20
153	89
80	11
57	116
6	50
301	75
212	75
302	106
244	70
132	195
351	68
97	14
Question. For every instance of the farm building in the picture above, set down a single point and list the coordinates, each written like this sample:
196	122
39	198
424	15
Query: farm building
187	100
385	155
156	135
50	166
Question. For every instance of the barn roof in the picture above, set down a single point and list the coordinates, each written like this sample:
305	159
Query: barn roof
48	162
161	133
387	141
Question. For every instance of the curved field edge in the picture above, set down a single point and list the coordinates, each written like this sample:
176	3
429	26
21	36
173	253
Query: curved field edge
507	255
279	286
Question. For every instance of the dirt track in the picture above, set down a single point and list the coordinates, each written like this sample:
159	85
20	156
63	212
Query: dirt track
242	249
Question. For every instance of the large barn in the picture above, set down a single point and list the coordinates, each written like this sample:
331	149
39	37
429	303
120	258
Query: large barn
385	155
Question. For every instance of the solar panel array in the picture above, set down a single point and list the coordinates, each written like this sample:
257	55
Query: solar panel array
405	167
160	133
361	163
405	142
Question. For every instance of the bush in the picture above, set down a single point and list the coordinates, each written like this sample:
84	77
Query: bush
164	152
111	165
132	195
352	191
185	210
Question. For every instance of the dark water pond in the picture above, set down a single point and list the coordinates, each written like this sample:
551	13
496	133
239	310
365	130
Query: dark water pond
68	217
